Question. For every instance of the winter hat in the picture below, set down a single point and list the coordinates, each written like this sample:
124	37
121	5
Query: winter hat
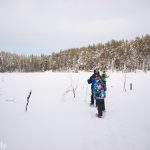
96	71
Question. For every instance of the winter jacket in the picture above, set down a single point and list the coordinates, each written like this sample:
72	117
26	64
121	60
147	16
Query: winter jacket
90	80
104	76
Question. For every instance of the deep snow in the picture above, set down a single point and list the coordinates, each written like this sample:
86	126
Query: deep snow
57	121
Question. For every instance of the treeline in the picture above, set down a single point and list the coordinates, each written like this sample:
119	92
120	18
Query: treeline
113	55
21	63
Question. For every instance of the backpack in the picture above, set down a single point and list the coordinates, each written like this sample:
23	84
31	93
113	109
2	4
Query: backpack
98	90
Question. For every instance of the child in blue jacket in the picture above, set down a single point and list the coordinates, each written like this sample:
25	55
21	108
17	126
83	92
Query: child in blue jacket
99	91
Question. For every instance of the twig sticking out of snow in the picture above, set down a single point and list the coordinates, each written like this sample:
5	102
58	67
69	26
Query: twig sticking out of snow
130	86
124	84
28	100
72	88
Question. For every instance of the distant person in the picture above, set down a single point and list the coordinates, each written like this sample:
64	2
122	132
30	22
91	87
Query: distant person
104	76
96	73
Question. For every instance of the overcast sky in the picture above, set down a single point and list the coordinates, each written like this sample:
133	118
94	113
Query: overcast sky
46	26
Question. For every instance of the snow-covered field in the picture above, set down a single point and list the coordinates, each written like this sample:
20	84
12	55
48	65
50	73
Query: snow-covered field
55	120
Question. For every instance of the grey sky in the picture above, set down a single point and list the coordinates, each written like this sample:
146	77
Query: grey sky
45	26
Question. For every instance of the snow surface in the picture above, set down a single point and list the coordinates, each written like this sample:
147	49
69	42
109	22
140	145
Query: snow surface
57	121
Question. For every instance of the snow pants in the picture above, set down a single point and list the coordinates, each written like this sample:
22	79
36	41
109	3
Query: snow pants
100	103
92	98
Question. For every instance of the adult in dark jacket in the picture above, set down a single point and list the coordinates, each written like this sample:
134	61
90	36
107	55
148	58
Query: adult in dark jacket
96	73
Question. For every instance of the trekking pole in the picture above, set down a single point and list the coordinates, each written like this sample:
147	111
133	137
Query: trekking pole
86	93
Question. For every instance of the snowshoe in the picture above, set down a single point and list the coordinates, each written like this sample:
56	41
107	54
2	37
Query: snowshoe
98	115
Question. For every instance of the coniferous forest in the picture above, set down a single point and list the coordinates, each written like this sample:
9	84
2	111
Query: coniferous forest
114	55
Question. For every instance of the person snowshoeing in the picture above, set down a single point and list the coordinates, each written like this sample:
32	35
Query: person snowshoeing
104	76
96	73
99	92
